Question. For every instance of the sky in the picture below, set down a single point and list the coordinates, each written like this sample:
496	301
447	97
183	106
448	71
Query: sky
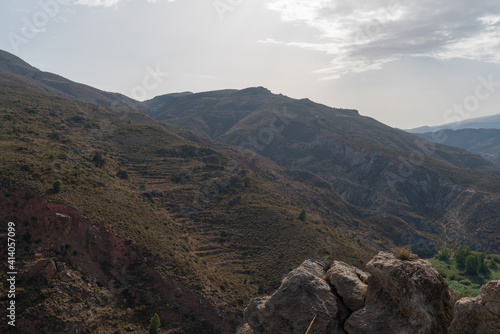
405	63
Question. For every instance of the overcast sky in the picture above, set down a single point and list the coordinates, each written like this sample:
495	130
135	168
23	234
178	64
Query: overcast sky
405	63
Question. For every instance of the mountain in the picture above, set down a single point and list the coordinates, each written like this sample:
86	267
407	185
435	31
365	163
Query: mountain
486	122
208	200
147	221
15	70
485	142
434	193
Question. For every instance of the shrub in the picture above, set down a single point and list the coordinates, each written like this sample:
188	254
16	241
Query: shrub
57	186
465	282
404	253
154	324
444	254
302	215
122	174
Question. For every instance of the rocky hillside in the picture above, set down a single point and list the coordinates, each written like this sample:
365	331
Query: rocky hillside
434	193
395	295
119	216
146	220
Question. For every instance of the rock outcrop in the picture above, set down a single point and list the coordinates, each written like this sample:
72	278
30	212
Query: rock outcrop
350	283
403	297
303	296
480	314
395	296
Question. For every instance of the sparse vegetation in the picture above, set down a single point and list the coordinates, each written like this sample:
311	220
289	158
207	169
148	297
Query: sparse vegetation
136	206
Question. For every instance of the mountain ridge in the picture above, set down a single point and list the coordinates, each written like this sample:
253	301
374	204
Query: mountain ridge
57	85
222	199
485	142
484	122
370	157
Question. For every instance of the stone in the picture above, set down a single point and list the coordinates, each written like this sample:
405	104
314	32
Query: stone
303	295
478	315
403	297
350	284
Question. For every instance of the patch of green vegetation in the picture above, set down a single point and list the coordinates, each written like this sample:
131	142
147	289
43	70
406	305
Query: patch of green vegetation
463	282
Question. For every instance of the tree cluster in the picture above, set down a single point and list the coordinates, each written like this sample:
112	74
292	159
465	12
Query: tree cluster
472	264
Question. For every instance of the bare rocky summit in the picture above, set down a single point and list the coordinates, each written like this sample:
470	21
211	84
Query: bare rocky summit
393	296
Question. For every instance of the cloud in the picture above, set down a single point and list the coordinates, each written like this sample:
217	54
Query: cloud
111	3
365	34
96	3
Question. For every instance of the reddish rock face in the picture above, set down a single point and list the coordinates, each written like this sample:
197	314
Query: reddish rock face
102	257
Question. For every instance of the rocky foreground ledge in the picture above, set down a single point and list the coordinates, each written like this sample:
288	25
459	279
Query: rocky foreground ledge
393	297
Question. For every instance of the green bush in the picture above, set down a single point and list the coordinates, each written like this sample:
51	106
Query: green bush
57	186
444	254
154	324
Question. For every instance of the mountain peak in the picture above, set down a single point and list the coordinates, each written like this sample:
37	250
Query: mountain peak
15	65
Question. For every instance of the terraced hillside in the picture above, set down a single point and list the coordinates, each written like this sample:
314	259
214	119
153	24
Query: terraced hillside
445	193
146	221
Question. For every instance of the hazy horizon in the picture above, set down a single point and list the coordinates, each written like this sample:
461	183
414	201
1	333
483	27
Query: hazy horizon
405	64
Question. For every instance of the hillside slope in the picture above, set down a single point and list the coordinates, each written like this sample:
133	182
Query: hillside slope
436	189
147	221
35	80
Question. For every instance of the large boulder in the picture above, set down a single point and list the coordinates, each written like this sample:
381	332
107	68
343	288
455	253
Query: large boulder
350	283
302	296
480	314
403	297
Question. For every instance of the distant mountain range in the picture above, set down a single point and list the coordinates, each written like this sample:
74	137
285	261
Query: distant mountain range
485	142
486	122
478	135
190	204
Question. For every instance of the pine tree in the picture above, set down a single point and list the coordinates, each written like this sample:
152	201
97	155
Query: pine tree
154	324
